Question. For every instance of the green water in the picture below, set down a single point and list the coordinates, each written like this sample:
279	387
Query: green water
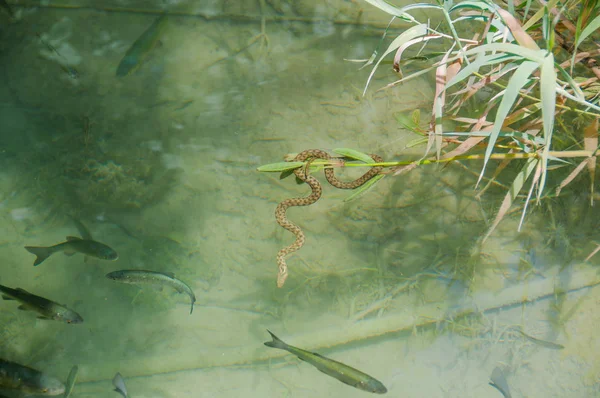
161	166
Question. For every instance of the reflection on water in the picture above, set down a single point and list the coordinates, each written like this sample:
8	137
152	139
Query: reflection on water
161	165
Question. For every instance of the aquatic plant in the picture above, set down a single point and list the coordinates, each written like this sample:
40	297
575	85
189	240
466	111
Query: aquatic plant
534	70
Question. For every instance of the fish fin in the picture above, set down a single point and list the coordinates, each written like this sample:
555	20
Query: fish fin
7	298
276	342
120	392
22	290
71	238
42	253
83	231
69	253
45	318
22	307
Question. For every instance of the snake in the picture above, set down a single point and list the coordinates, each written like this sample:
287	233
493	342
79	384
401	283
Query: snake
302	173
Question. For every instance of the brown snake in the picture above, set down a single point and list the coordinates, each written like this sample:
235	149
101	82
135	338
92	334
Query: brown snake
303	174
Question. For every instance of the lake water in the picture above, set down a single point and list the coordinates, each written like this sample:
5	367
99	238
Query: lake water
161	166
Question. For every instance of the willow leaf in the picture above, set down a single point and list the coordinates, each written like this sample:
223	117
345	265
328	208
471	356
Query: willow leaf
353	154
473	5
364	188
512	193
592	27
281	166
515	84
547	92
481	60
407	35
401	12
532	55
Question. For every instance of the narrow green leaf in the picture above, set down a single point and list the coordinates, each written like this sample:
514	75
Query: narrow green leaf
576	89
515	84
547	92
539	14
473	5
532	55
401	12
285	174
481	60
409	34
368	185
511	7
514	190
352	154
565	93
509	134
281	166
406	120
593	26
527	7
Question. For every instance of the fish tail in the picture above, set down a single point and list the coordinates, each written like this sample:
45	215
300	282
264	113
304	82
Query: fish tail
42	253
276	342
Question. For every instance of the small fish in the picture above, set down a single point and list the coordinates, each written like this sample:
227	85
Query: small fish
136	277
338	370
46	308
73	245
70	71
25	380
543	343
498	381
71	381
63	63
119	385
139	50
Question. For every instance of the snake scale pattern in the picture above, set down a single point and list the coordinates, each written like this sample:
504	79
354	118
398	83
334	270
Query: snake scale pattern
303	174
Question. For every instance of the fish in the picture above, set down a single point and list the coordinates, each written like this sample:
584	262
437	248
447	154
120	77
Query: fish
141	277
85	245
498	381
344	373
64	62
71	381
119	385
46	308
543	343
26	380
139	50
71	246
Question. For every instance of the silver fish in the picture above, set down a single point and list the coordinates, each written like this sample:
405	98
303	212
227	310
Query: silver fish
71	246
498	381
139	50
344	373
25	380
136	277
119	385
46	308
543	343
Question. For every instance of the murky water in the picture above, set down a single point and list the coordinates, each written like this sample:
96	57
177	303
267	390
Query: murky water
161	166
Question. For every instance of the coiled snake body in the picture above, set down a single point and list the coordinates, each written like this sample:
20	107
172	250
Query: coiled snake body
303	174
